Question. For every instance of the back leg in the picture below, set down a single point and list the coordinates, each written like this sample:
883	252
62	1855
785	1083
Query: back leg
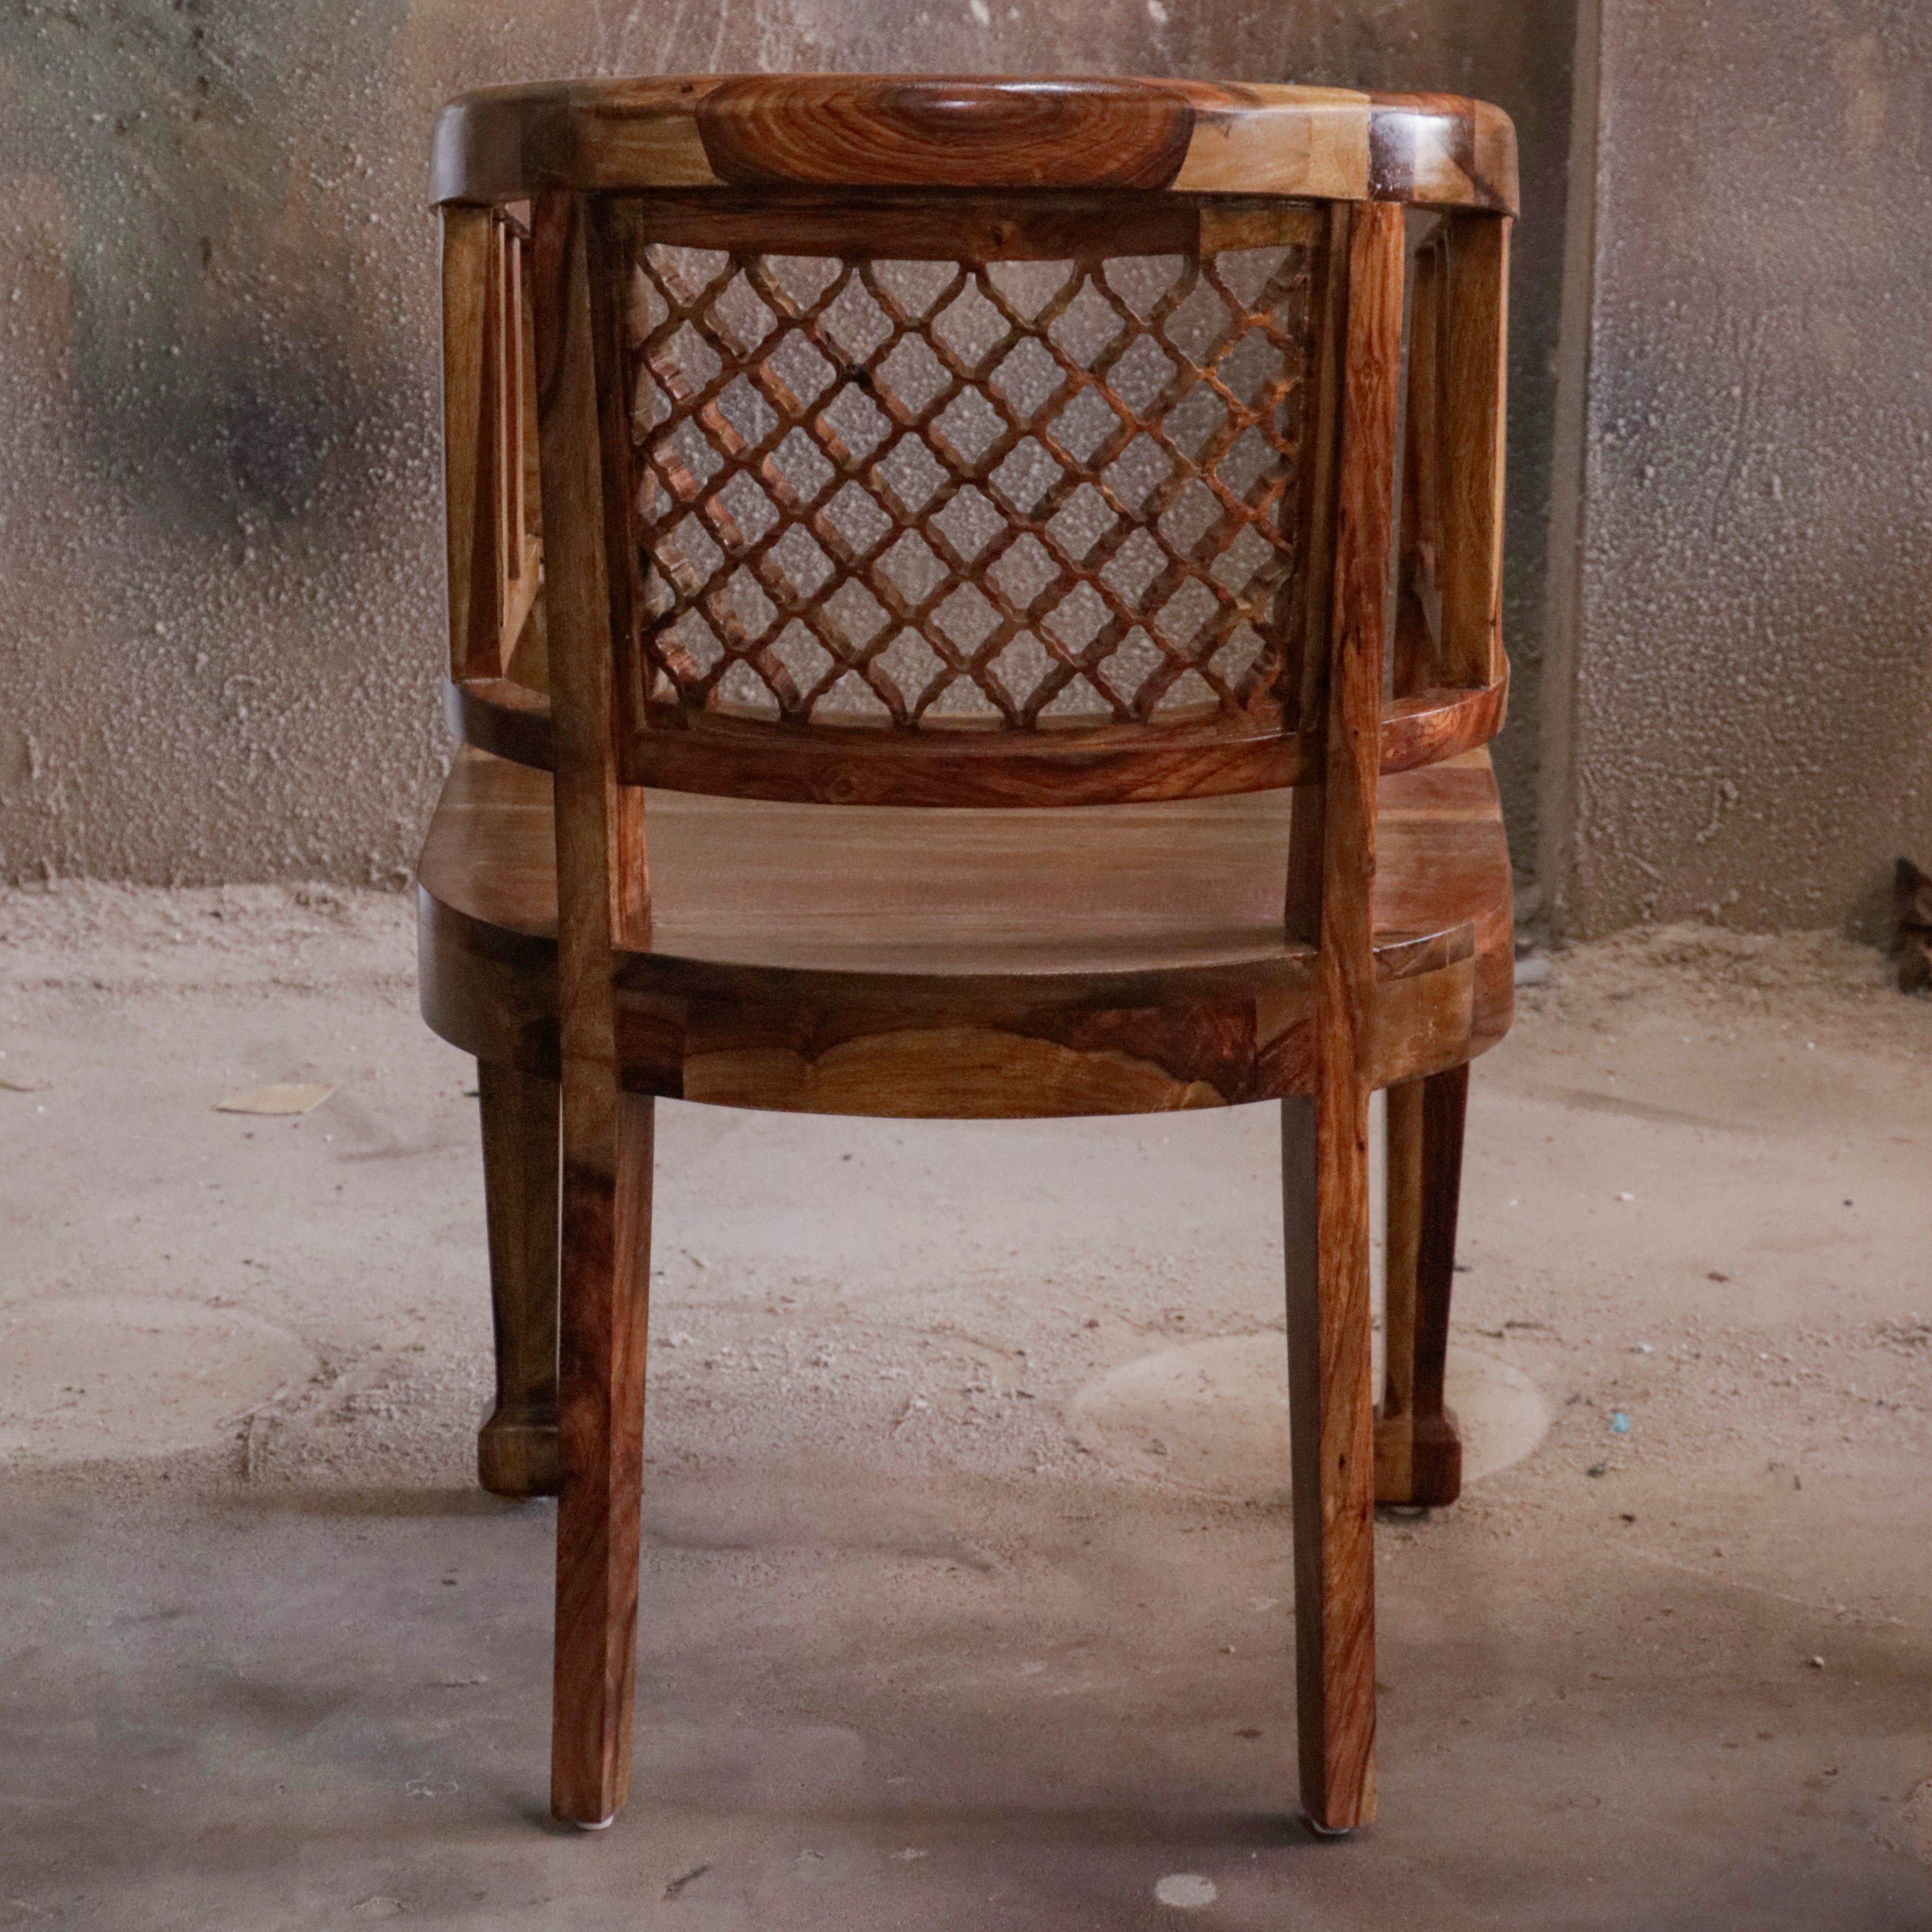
606	1275
1418	1447
516	1451
1325	1199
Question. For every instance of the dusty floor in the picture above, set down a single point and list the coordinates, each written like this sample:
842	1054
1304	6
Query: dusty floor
966	1581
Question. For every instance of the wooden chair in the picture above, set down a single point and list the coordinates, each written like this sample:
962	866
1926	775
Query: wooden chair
821	449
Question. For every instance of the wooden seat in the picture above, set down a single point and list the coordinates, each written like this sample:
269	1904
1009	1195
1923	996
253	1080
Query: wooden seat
971	598
1123	959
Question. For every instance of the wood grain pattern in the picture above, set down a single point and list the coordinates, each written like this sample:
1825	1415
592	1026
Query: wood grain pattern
1325	1142
769	130
782	930
516	1449
605	1269
606	1286
1475	353
996	225
1418	620
931	131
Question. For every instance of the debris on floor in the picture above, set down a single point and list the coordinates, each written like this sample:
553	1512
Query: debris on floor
297	1099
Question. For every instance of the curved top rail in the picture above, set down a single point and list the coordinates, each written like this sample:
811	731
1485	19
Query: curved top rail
925	131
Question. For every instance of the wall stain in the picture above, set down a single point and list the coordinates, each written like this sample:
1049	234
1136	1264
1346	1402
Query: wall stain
221	487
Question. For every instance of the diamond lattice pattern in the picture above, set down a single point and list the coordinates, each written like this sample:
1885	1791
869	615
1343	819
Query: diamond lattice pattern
925	493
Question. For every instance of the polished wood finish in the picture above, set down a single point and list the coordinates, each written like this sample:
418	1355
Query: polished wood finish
974	132
516	1451
1475	331
605	1266
1146	938
1325	1147
684	321
770	130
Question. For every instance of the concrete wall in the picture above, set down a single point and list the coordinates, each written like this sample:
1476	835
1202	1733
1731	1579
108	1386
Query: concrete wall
1743	629
220	529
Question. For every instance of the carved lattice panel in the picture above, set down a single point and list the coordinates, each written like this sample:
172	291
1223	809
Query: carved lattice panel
928	493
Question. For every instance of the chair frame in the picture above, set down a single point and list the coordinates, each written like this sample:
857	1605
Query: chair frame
1408	542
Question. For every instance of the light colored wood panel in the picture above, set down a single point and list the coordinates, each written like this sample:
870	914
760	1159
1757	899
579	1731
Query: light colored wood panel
1311	141
503	143
1419	1024
1119	889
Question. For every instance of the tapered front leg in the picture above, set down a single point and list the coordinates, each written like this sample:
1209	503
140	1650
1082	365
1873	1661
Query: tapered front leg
516	1451
606	1275
1324	1177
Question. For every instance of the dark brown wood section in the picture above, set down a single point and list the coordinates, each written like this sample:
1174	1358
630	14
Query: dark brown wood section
1435	1447
773	129
517	1448
1403	1200
973	132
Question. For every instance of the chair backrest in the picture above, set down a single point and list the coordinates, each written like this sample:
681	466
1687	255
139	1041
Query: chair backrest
978	442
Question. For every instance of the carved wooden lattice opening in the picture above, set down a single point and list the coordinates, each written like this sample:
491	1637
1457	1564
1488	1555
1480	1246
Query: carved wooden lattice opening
1010	495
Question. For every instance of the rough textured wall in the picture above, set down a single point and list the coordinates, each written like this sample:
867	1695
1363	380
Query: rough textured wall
219	506
1752	735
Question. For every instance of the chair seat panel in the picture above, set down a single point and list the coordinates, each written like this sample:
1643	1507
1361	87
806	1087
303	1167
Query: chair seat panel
966	963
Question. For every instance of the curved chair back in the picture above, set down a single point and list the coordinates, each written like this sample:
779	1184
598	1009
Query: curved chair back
981	442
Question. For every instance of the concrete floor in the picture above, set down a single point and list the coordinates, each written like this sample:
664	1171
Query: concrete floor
967	1595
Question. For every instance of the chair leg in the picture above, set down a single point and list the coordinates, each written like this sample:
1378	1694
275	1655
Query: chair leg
516	1451
1418	1447
1325	1196
604	1309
